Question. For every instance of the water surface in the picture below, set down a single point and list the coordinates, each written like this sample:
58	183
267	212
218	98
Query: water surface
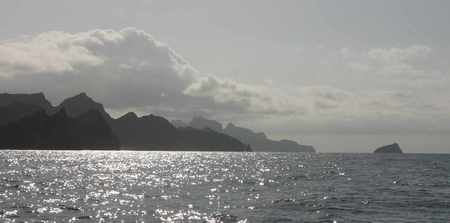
123	186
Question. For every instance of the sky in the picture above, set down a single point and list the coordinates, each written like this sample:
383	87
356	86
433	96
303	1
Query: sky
344	76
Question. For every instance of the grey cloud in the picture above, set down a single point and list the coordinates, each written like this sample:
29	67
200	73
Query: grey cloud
126	69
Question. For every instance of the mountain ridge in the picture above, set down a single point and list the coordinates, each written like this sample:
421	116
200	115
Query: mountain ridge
257	140
148	132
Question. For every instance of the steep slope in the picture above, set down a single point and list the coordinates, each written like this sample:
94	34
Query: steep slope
81	103
16	106
58	131
258	141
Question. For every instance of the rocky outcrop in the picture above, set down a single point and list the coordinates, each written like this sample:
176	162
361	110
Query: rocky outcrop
393	148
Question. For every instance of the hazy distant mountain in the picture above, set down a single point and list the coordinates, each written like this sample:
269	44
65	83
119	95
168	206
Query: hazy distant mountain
201	123
58	131
393	148
179	124
257	141
207	139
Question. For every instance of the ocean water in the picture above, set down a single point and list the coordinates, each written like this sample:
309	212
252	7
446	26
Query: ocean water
122	186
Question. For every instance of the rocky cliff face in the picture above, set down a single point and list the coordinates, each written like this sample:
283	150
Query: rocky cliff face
393	148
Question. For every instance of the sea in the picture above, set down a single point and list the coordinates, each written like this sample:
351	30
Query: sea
127	186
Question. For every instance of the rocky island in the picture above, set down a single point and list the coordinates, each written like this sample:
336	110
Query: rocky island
393	148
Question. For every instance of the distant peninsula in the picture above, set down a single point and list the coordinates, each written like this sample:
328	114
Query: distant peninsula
393	148
258	141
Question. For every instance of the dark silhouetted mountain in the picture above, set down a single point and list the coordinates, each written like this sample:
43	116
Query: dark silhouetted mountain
146	131
154	132
16	106
37	99
30	121
393	148
58	131
209	140
15	111
80	104
258	141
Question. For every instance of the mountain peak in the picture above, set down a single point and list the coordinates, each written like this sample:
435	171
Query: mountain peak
82	103
129	116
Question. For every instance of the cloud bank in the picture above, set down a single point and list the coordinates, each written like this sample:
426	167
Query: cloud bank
130	70
126	68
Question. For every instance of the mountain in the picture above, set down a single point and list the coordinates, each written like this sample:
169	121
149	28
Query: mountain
58	131
154	132
209	140
146	131
30	121
16	106
258	141
201	123
15	111
393	148
179	124
81	103
37	99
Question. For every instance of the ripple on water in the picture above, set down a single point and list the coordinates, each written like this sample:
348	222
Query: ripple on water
103	186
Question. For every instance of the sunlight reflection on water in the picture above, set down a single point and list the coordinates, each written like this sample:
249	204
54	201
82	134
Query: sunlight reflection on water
99	186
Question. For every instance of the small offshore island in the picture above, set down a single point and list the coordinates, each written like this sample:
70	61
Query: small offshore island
393	148
29	121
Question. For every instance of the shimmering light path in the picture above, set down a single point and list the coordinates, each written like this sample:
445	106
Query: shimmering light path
92	186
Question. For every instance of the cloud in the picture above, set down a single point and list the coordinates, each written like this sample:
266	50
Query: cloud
130	70
409	62
126	69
